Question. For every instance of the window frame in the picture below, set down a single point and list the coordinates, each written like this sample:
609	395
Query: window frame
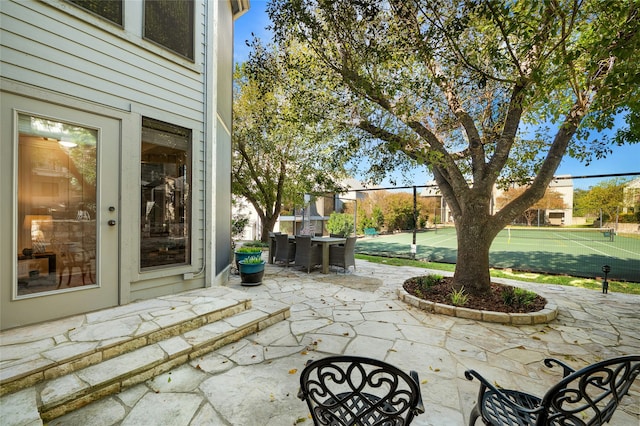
122	12
165	127
165	47
85	226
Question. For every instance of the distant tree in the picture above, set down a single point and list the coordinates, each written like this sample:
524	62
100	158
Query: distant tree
430	206
448	84
238	221
279	152
363	218
377	217
550	200
606	196
578	205
398	211
368	211
340	224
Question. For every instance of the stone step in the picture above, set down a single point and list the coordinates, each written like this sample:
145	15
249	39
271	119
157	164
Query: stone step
71	391
101	336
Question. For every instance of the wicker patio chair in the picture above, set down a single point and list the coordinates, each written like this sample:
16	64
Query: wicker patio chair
343	256
285	249
307	253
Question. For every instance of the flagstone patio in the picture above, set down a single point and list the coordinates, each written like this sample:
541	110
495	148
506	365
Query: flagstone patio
254	381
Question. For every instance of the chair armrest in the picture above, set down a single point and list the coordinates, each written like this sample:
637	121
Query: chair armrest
566	370
507	397
420	406
484	383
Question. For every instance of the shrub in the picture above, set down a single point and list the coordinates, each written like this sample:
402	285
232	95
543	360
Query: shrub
458	297
508	298
252	260
249	249
258	244
629	218
340	223
427	281
514	296
238	223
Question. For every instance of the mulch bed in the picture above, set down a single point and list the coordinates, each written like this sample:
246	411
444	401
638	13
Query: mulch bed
491	301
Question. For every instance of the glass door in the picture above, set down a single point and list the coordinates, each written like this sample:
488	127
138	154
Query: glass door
66	243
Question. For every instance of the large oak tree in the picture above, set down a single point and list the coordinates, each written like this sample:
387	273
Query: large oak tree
280	152
477	91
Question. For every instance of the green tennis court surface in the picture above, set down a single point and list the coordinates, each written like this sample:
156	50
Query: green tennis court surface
576	252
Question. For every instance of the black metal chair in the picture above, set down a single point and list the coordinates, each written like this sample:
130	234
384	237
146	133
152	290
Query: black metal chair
307	253
285	249
343	255
351	390
587	397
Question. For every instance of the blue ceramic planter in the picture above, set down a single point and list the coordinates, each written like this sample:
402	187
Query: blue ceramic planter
242	256
251	273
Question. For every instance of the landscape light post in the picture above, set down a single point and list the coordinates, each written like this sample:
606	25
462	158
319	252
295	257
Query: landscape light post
605	284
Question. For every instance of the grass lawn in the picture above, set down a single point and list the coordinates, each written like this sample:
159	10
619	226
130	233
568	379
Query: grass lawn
614	286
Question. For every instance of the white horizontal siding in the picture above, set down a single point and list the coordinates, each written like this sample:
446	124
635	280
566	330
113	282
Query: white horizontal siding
43	46
39	47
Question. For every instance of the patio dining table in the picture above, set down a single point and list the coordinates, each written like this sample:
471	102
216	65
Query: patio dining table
325	242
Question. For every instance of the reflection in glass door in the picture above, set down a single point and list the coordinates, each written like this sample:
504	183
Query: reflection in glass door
57	171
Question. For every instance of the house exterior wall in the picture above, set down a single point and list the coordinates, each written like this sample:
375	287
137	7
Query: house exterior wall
631	196
223	124
54	52
564	187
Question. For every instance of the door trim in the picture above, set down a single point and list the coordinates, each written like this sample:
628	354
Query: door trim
25	309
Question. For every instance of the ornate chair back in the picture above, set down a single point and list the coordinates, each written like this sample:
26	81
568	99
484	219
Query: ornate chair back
350	390
591	395
586	397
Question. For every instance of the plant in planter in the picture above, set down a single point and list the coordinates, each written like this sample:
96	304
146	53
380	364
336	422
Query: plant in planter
251	270
245	252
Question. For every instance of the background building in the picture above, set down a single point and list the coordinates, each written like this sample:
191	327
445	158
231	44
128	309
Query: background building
563	185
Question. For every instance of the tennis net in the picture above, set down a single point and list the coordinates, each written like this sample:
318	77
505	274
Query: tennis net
571	234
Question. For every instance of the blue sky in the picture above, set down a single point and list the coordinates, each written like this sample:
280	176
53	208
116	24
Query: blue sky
625	159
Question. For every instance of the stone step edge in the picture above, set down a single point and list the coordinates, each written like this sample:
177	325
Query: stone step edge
61	367
90	394
544	316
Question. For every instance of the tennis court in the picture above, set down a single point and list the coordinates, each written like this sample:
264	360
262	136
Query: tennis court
570	251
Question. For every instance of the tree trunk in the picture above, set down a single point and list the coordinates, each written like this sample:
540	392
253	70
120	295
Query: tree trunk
472	266
268	223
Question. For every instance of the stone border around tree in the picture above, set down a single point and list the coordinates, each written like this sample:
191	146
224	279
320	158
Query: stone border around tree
544	316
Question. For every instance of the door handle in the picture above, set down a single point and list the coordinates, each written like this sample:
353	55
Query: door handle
112	222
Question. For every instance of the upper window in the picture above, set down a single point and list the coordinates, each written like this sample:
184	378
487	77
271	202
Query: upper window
108	9
170	23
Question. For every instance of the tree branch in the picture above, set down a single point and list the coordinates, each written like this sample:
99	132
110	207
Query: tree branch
456	48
